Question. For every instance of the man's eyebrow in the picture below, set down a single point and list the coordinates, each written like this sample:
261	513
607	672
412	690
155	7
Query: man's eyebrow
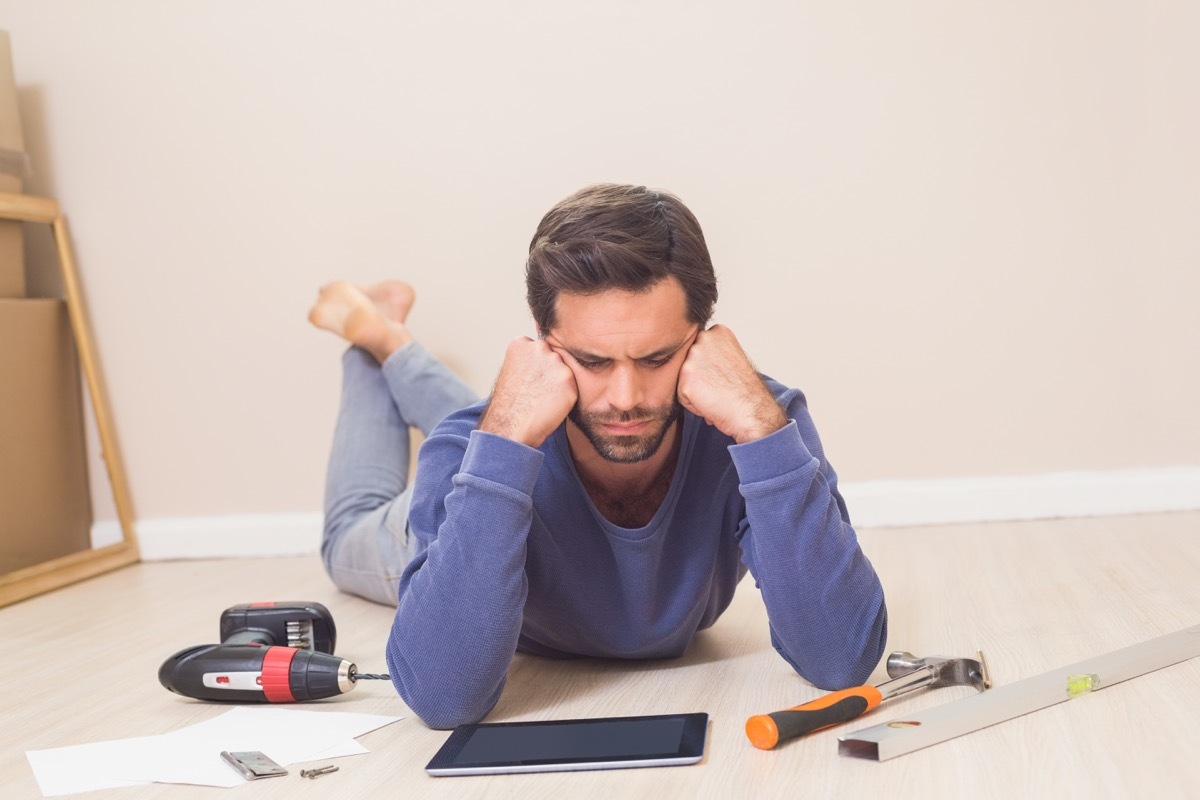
580	355
669	350
662	353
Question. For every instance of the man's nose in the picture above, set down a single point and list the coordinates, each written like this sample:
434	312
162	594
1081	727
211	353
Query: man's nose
625	389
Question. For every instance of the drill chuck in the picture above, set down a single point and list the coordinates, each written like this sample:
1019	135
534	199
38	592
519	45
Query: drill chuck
251	673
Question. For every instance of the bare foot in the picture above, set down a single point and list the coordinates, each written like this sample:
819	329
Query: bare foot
394	299
351	313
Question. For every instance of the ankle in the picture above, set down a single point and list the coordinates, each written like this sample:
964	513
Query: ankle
391	338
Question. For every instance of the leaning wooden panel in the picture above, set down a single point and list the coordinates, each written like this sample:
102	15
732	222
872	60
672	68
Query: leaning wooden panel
95	383
25	208
59	572
68	569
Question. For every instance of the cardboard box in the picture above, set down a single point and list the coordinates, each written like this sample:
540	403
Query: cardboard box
45	502
12	152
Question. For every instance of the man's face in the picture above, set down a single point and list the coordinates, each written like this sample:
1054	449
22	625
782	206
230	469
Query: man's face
625	349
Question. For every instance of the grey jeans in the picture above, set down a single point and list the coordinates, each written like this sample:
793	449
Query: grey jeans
367	489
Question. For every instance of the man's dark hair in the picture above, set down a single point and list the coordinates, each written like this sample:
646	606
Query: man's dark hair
615	236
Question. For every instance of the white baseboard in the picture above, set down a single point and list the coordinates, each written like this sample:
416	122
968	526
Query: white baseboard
885	504
873	504
220	536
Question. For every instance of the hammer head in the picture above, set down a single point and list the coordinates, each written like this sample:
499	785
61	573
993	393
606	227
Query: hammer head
946	671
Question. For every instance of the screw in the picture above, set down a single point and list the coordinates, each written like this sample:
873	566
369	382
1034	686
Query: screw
312	773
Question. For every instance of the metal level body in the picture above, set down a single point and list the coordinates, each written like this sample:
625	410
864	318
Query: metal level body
970	714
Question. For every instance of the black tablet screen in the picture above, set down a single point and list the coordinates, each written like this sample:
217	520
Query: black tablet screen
549	742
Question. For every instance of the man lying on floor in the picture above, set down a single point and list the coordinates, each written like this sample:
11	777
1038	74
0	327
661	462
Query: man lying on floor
627	470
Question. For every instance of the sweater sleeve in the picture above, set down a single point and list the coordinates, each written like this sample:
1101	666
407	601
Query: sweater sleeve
462	597
824	601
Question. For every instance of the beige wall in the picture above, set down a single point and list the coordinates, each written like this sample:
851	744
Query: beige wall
967	230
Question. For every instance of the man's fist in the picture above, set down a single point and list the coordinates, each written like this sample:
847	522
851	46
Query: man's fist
718	382
533	394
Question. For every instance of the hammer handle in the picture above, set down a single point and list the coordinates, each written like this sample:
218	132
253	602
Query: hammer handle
767	730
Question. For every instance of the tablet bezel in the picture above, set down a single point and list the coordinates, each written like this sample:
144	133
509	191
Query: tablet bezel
691	748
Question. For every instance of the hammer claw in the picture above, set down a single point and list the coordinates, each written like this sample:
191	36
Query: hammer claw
944	671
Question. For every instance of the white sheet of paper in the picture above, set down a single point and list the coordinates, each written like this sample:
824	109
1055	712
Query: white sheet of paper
83	767
193	754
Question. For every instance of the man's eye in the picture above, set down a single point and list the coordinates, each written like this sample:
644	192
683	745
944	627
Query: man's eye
590	364
655	363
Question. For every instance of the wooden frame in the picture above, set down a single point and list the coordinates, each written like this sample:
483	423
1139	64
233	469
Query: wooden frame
57	572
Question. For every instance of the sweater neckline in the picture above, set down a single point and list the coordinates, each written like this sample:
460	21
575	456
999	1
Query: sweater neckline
663	511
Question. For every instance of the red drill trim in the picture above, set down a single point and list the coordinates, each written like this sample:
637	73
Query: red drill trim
276	674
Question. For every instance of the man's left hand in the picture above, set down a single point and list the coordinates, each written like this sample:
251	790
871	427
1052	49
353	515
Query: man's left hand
718	382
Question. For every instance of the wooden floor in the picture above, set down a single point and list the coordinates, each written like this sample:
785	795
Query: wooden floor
1033	596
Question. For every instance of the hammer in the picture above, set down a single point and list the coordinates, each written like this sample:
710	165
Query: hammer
908	673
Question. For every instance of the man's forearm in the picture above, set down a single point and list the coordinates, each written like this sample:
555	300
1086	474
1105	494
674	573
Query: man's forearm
823	598
462	598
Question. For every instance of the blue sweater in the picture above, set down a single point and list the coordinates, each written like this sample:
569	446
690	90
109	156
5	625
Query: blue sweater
513	555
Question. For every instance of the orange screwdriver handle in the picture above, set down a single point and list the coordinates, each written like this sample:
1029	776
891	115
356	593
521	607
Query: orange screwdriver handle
767	730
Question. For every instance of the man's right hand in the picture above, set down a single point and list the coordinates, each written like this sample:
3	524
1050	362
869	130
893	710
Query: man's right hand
533	395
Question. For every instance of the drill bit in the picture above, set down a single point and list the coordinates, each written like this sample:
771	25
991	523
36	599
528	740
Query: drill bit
355	675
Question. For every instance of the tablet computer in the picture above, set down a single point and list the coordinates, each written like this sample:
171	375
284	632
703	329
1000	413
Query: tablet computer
572	744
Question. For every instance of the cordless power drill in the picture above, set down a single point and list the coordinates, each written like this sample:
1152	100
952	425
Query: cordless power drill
269	653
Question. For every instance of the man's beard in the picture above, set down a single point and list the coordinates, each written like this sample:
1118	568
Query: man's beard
626	449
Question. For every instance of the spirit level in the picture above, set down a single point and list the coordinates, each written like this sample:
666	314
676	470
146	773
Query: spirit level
935	725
